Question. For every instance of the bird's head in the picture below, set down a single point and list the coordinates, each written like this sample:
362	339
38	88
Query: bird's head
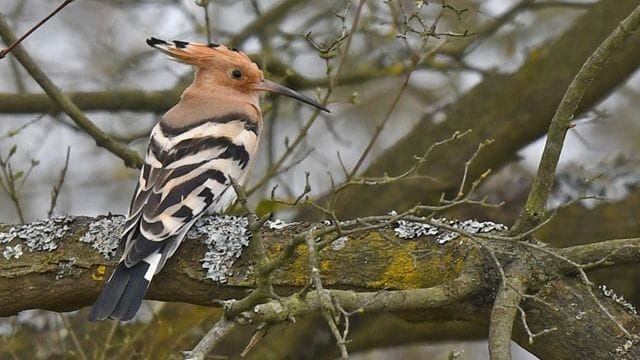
227	67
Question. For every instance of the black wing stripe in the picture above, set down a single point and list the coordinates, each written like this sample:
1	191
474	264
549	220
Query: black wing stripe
193	146
146	170
154	228
146	232
237	153
207	195
181	171
180	191
155	149
141	195
141	246
184	212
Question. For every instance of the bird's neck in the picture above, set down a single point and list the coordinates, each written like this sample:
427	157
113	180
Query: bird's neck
198	103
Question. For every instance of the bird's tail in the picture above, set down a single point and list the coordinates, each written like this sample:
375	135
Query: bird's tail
123	295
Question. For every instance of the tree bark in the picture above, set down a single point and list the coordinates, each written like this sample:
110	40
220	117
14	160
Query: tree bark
418	279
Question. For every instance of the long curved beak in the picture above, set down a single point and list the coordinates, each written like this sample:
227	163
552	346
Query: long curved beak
268	85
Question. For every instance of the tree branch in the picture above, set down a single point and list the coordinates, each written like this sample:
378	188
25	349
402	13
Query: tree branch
534	210
81	271
111	100
504	310
215	334
605	253
369	272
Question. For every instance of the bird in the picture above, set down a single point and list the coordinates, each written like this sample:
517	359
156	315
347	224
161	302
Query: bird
195	150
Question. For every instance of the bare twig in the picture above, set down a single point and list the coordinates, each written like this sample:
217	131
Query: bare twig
326	307
325	51
207	23
259	334
12	180
74	337
415	58
213	337
15	43
580	268
525	324
606	311
16	131
56	188
106	344
263	287
604	253
467	164
370	181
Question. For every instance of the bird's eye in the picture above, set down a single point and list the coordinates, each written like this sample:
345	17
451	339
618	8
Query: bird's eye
236	74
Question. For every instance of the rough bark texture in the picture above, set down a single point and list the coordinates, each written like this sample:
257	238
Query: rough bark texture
381	264
71	276
583	332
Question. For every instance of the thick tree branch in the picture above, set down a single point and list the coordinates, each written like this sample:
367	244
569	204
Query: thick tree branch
112	100
562	300
605	253
505	309
184	277
418	279
534	210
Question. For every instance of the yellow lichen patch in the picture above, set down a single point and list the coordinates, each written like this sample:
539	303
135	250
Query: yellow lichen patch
400	274
301	251
325	265
458	264
299	268
277	247
99	274
443	268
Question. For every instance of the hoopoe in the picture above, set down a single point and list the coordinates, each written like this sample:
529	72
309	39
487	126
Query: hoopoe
209	137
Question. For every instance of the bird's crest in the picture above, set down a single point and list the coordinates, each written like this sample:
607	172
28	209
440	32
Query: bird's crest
200	54
220	64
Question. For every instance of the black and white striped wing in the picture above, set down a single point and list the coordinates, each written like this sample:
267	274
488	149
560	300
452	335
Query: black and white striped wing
184	175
